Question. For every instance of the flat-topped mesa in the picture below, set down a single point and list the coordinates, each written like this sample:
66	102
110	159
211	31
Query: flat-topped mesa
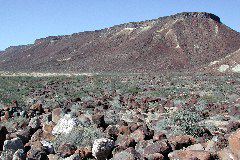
196	15
48	39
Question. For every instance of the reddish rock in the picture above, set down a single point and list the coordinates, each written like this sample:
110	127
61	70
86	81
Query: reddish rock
178	142
226	154
98	119
48	127
158	147
138	135
37	107
155	156
189	154
56	114
66	150
125	141
36	150
158	136
84	152
124	130
234	143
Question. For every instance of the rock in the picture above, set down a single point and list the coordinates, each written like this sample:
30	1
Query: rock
19	155
179	142
198	147
112	131
216	144
140	146
24	135
57	114
48	127
74	157
189	154
234	143
66	150
125	141
98	119
3	133
102	148
84	152
53	157
34	124
10	147
36	149
7	155
48	146
226	154
128	154
155	156
84	120
13	144
158	147
37	107
158	136
138	135
65	125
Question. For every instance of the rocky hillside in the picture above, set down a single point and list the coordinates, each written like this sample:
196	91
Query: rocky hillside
182	41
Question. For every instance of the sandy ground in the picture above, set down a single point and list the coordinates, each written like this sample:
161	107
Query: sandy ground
39	74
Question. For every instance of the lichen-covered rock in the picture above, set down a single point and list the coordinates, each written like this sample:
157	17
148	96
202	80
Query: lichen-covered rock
19	155
34	124
65	125
10	147
102	148
13	144
48	146
128	154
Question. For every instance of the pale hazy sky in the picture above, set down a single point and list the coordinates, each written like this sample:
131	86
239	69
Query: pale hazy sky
23	21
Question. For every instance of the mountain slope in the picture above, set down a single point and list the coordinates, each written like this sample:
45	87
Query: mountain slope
182	41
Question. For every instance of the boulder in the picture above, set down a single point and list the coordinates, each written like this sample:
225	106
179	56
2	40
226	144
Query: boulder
19	155
66	150
226	154
234	143
128	154
10	147
158	147
57	114
189	154
179	142
65	125
102	148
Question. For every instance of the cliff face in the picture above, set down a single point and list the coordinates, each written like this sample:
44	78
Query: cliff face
182	41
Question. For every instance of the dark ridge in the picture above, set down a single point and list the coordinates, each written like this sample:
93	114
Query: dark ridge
196	15
184	15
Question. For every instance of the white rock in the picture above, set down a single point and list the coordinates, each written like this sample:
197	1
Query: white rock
48	145
65	125
102	148
236	68
223	68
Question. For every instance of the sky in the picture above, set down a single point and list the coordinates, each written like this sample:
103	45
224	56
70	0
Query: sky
23	21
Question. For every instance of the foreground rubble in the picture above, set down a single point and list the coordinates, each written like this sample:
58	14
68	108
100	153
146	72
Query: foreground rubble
128	117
